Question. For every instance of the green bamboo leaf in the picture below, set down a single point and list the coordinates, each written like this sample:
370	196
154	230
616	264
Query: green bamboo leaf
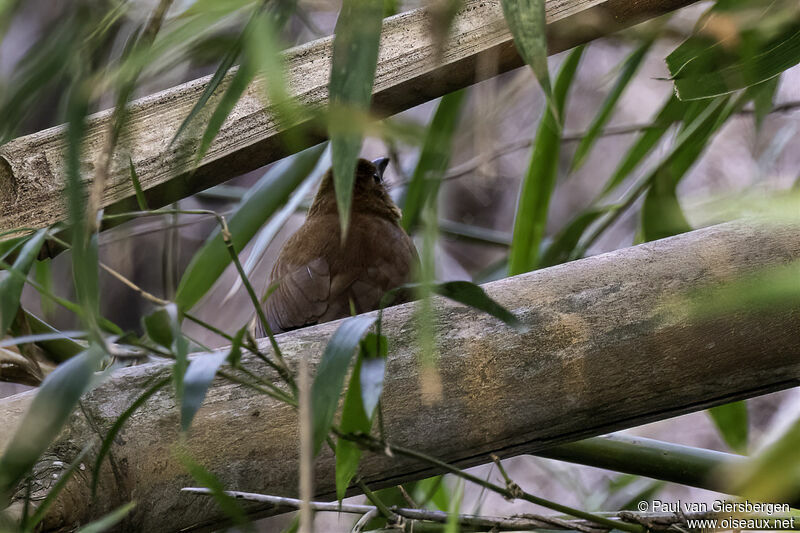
108	521
355	57
327	387
374	348
772	475
226	502
211	86
137	187
763	100
565	243
198	378
662	215
263	50
56	397
354	420
241	79
60	348
672	111
55	490
433	159
108	440
704	68
731	421
11	286
472	295
531	217
43	274
629	67
258	205
526	20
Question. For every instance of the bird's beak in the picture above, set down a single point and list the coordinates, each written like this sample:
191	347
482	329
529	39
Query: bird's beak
381	163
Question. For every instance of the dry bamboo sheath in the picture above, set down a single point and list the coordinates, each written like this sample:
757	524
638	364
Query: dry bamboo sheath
409	73
607	349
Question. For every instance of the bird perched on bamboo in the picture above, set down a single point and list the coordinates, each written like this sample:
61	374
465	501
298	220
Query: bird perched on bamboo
320	278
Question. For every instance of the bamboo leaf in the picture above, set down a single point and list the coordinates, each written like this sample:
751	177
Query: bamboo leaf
731	421
565	243
374	348
629	67
708	64
213	84
56	397
531	217
55	490
226	502
355	57
672	111
11	286
137	187
241	79
327	387
198	378
433	159
526	20
108	440
258	205
108	521
354	420
473	296
763	100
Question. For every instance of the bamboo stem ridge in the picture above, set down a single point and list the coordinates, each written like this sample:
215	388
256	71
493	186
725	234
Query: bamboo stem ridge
607	349
410	72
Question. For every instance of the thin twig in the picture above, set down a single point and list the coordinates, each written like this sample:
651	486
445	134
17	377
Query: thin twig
372	444
619	520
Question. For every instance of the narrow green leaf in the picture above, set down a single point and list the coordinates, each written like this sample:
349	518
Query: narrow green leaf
355	57
566	241
263	50
241	79
731	421
763	99
108	521
629	67
374	348
260	203
433	159
453	525
702	67
662	215
526	20
472	295
11	286
43	274
108	440
55	490
198	378
531	217
213	84
57	396
226	502
672	111
327	387
354	420
137	187
772	475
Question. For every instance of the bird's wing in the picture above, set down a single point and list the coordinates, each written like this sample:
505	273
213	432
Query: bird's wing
301	297
387	263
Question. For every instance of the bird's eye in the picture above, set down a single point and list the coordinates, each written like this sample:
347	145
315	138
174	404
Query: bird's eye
377	177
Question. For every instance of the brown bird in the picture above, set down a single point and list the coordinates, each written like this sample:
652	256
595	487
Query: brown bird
319	278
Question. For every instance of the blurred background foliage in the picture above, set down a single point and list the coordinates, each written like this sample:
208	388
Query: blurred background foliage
676	124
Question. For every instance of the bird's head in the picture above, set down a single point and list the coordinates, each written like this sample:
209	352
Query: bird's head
369	191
